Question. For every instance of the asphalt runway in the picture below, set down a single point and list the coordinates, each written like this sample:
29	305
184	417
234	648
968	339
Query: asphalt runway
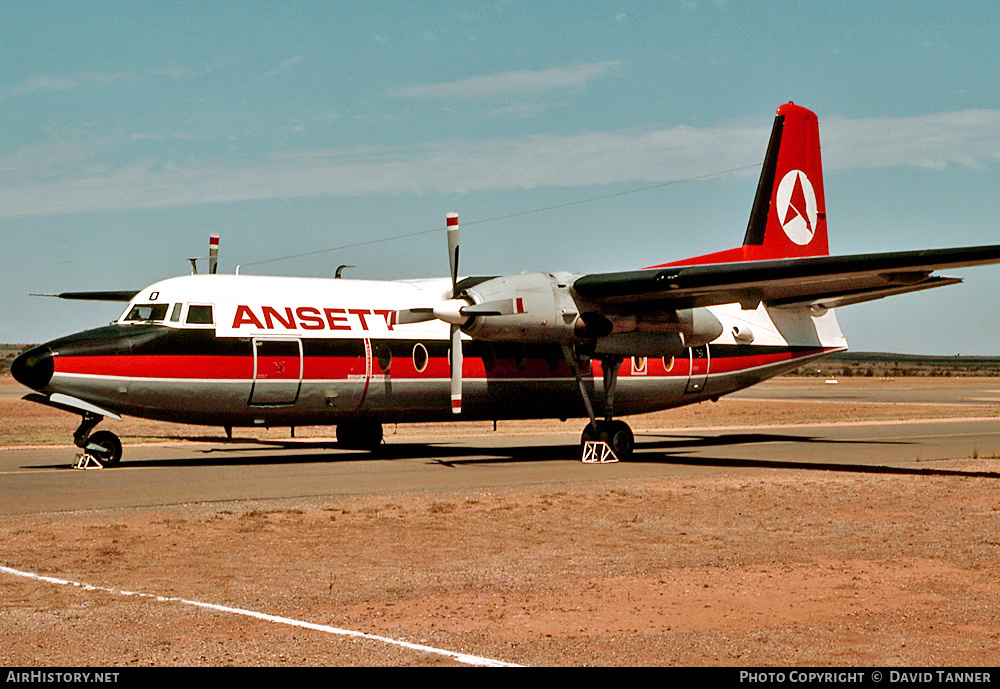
34	480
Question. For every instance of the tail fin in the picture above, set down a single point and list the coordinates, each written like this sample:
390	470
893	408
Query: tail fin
788	219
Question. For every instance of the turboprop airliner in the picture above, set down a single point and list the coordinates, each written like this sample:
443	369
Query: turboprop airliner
243	350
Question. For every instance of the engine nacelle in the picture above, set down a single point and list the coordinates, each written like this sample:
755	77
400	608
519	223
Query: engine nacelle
539	307
531	307
659	332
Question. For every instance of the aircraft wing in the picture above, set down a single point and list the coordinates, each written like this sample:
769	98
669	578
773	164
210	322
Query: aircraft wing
821	281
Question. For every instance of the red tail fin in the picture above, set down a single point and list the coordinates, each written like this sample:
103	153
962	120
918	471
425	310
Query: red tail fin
788	219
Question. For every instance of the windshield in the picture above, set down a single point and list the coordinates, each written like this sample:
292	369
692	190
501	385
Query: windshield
146	312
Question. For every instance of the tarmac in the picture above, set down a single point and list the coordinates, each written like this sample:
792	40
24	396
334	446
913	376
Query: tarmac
40	479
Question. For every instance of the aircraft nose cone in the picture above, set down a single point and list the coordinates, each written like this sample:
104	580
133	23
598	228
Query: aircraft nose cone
33	368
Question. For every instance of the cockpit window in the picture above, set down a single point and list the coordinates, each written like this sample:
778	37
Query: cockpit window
200	315
147	312
175	313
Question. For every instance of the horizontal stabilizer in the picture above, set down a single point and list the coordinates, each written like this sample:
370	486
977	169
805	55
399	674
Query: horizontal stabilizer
115	295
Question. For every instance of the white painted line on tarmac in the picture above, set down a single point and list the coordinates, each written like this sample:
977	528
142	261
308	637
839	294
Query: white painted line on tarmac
464	658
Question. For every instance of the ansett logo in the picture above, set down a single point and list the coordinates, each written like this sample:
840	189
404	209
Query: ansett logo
795	204
312	318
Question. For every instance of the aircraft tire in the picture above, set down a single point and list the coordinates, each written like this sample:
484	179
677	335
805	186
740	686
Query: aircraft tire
106	447
620	438
617	434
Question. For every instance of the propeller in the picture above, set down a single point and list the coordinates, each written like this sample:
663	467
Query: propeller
458	311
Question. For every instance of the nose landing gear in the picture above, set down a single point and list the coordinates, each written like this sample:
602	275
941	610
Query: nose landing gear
104	447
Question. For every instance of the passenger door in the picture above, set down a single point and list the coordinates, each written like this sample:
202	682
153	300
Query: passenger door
699	369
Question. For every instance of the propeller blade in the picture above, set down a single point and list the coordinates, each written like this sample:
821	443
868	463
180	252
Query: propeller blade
456	330
452	222
417	315
456	369
213	253
500	307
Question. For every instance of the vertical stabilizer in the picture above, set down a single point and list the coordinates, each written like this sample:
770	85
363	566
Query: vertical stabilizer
788	217
789	213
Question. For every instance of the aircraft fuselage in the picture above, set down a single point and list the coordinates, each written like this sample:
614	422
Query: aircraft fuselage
254	351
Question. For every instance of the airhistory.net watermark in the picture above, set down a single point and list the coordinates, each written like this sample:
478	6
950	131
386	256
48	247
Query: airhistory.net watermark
51	677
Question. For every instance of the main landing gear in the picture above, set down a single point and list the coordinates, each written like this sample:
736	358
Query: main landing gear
616	435
103	447
608	440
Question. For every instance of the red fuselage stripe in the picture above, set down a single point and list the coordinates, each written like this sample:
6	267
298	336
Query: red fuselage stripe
226	367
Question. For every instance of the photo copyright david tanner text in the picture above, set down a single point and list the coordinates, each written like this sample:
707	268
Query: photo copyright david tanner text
852	676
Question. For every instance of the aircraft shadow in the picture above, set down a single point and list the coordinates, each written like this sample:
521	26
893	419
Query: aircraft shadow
256	452
724	462
702	441
679	446
663	450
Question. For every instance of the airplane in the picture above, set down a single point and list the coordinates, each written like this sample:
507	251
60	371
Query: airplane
262	351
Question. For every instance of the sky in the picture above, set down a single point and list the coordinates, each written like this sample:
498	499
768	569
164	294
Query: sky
576	136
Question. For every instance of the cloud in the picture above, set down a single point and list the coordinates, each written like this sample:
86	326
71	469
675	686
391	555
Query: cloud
89	80
68	177
76	82
284	66
507	83
966	137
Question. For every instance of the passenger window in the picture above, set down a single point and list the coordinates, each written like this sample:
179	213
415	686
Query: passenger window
419	357
200	315
384	356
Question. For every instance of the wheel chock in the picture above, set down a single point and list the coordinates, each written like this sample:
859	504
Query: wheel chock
598	452
85	460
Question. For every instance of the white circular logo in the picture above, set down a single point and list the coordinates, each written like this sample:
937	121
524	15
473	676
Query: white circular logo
795	203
